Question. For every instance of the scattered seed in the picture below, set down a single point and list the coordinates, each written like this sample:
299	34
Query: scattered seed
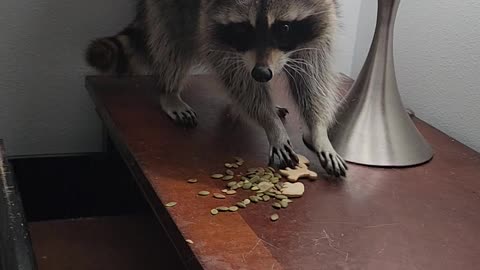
234	165
266	198
217	176
274	217
222	208
204	193
276	205
229	172
260	194
214	211
231	184
253	199
254	188
279	176
171	204
228	165
271	169
281	197
224	190
260	198
246	201
241	205
267	177
231	192
233	209
218	196
227	177
239	163
239	159
247	185
287	200
270	193
278	186
189	241
284	204
274	180
193	180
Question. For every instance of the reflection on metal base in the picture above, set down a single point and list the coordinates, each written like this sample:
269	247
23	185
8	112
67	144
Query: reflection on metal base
374	128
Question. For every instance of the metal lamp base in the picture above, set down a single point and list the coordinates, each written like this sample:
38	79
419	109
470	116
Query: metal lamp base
373	128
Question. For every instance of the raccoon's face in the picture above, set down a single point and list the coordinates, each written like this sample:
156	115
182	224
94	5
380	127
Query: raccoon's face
265	33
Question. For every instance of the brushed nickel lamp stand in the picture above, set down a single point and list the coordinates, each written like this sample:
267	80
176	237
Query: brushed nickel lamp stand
373	128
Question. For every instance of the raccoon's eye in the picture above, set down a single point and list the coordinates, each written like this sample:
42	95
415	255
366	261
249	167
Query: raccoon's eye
239	36
285	28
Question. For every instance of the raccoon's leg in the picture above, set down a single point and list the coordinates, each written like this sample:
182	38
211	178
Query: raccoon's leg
314	88
254	100
172	60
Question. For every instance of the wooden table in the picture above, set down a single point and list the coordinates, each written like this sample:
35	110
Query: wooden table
425	217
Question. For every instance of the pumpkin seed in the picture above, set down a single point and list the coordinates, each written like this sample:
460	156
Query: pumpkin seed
278	186
239	159
218	196
231	184
274	180
217	176
247	185
193	180
260	198
270	193
171	204
276	205
287	200
189	241
222	208
271	169
229	172
233	209
266	198
281	197
241	205
228	165
227	177
246	201
260	194
231	192
254	188
214	211
267	177
274	217
279	176
284	204
234	187
234	165
253	199
224	190
204	193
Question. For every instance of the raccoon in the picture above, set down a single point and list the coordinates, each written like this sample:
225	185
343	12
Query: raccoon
247	43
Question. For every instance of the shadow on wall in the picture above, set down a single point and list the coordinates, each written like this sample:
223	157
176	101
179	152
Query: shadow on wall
44	107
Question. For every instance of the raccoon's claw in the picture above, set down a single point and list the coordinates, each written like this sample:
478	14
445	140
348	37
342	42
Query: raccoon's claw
282	112
286	155
333	163
179	111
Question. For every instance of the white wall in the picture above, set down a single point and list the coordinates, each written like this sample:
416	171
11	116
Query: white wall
44	107
437	59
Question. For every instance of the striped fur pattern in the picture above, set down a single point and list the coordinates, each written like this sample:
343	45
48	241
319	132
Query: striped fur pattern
247	43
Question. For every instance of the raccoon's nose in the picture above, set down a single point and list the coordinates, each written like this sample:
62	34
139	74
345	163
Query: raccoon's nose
262	73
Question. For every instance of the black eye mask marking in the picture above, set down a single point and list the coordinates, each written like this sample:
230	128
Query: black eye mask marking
288	35
240	36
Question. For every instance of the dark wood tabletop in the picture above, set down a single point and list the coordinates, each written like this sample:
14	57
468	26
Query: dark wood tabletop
424	217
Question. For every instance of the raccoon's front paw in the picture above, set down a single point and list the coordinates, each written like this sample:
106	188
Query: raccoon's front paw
329	159
178	110
285	154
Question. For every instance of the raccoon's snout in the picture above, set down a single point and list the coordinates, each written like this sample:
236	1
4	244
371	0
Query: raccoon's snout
262	73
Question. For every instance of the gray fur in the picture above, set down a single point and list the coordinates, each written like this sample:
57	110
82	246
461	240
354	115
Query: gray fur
177	32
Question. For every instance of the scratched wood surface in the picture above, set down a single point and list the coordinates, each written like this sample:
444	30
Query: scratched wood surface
425	217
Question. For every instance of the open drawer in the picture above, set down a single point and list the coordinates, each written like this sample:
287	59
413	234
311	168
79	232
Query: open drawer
15	245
